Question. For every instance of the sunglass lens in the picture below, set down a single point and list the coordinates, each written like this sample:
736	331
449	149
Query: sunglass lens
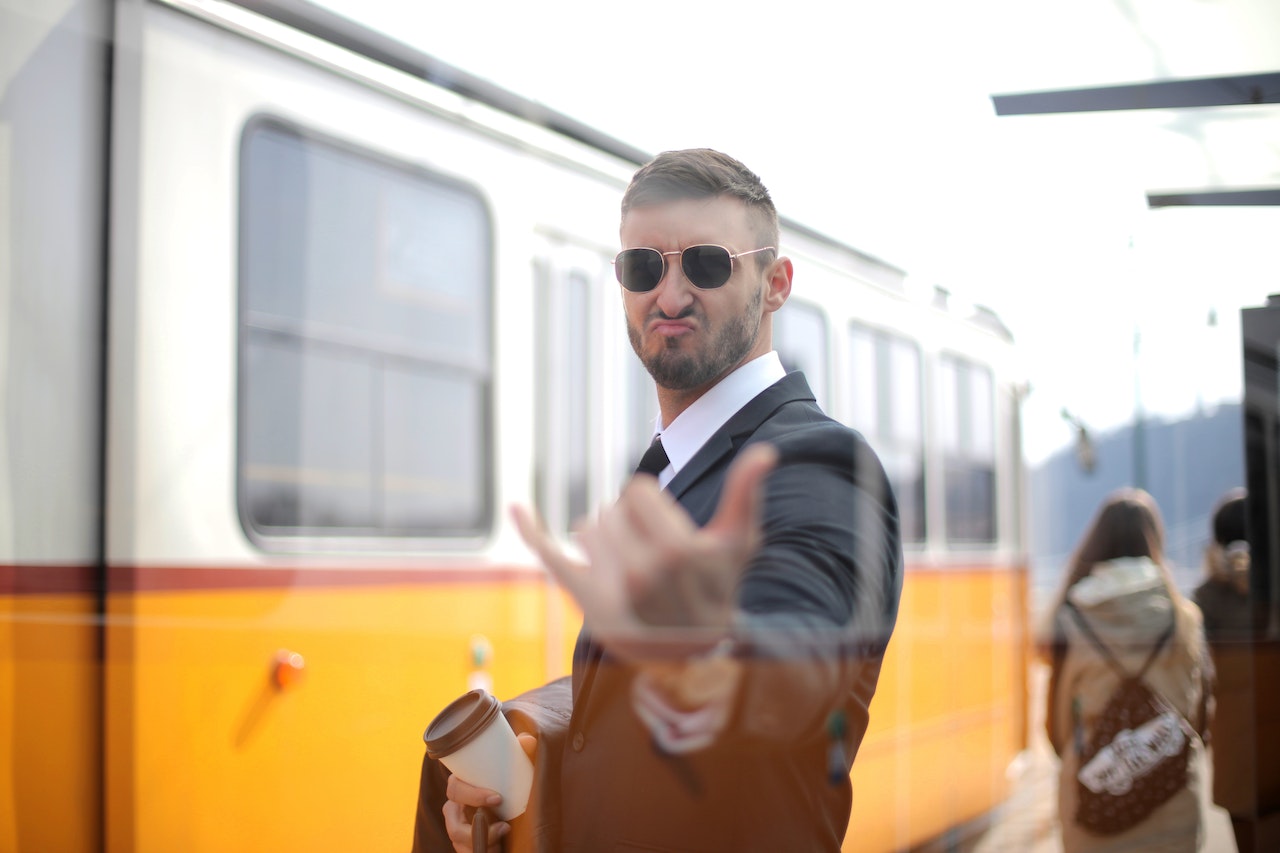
639	270
707	266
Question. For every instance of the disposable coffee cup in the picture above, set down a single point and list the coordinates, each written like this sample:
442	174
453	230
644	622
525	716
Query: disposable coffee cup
474	740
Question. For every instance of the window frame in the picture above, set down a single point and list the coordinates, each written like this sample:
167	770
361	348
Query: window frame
885	437
952	366
819	381
558	377
482	378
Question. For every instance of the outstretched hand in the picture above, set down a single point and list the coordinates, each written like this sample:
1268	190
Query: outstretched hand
653	581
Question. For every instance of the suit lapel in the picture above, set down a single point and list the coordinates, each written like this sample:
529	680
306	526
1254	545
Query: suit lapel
738	429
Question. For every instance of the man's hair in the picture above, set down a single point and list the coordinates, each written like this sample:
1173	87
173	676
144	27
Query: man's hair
697	173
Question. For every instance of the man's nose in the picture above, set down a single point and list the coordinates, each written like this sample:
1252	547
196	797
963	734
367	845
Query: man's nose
674	291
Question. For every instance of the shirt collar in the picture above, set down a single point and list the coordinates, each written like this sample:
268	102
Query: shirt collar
685	436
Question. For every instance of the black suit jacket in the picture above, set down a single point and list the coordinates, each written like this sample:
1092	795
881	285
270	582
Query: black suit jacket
816	607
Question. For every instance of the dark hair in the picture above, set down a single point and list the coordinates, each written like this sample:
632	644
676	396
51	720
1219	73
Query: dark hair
1128	524
696	173
1228	518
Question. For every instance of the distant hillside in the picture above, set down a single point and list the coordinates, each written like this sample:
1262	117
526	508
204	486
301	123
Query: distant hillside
1189	464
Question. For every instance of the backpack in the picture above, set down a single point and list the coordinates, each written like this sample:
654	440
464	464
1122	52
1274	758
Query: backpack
1137	755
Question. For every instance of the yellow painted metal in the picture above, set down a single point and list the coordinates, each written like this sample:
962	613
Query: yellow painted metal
50	737
204	752
194	718
949	712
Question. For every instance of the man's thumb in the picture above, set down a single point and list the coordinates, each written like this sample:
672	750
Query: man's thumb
743	495
528	743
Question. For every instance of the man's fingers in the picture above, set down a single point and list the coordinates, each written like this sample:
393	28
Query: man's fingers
528	743
566	570
460	791
572	575
742	500
647	564
531	530
654	514
457	824
463	799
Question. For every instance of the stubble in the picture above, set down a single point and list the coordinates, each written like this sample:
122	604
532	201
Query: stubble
679	370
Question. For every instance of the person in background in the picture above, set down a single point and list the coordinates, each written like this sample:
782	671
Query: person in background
1118	583
739	596
1229	625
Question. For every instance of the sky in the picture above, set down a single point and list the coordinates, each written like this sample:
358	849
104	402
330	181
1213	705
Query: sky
872	122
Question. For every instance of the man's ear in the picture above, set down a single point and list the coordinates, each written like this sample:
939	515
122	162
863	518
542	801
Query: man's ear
777	284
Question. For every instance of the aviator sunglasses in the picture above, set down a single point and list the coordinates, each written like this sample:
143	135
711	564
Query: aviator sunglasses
706	267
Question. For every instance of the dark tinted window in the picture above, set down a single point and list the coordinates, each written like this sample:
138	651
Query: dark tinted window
967	426
365	365
886	398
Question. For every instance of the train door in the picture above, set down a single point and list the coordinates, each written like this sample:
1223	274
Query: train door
594	405
302	473
568	418
53	130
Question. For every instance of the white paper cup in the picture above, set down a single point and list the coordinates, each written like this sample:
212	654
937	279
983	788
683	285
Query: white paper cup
475	741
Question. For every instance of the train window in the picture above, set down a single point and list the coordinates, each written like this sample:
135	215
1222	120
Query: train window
800	337
563	366
886	396
365	356
967	423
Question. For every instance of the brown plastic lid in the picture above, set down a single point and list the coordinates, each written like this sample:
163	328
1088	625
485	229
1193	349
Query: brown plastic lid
460	722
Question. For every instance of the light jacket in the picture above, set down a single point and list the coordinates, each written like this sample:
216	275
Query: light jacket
1128	605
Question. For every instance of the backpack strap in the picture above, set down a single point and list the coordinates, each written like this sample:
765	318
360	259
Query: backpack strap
1108	655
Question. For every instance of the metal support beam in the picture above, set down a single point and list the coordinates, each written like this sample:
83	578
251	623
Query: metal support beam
1215	198
1234	90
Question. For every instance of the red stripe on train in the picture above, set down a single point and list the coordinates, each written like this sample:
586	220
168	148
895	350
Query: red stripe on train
48	580
84	580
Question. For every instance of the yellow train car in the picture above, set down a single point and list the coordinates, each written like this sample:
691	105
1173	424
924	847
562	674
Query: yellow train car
292	314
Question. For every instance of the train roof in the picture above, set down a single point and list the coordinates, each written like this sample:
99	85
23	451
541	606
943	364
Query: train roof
337	29
376	46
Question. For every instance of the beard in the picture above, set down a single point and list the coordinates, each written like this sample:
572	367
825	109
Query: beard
679	369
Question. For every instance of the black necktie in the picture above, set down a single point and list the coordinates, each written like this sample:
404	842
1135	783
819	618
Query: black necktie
654	459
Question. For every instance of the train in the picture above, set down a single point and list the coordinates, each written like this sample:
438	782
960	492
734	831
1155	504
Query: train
293	312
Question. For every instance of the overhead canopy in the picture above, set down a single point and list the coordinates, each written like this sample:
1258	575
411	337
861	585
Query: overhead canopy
1238	90
1204	129
1228	130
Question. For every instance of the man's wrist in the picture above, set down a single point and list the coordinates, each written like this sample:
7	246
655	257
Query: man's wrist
710	677
687	704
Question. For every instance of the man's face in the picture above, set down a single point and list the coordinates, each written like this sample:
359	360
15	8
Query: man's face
688	338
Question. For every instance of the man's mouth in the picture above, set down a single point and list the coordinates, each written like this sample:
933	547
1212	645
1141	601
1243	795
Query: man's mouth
671	328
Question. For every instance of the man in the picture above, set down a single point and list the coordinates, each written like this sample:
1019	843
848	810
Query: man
738	605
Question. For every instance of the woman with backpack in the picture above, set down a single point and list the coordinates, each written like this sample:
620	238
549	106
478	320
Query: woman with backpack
1130	690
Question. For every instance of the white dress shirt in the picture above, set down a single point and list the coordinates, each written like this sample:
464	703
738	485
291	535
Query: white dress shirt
675	730
684	436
